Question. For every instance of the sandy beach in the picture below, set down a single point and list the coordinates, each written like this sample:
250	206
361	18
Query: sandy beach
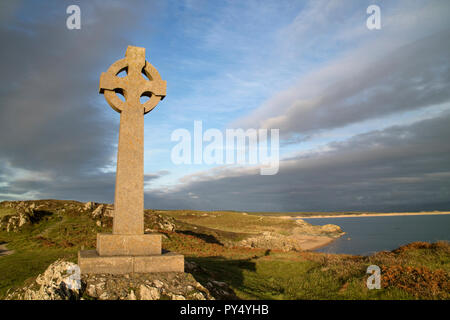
313	242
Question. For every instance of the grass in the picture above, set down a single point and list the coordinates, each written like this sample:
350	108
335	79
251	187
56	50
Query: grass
231	221
320	276
6	212
417	271
38	245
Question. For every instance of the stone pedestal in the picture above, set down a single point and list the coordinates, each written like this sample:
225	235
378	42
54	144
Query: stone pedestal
119	254
128	244
91	262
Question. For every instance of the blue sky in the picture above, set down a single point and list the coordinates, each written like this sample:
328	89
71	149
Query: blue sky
311	69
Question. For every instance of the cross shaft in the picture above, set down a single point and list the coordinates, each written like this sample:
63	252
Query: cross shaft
129	193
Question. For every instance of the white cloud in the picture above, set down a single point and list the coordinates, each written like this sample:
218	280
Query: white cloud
374	79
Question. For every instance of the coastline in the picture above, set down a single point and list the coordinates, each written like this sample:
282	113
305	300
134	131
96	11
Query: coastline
372	215
316	242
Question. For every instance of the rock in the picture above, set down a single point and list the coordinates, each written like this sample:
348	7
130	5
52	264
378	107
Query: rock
13	223
91	290
159	222
89	205
221	290
104	296
331	228
98	212
271	240
326	230
103	210
158	284
132	296
198	296
24	218
109	211
24	215
149	293
190	266
58	282
177	297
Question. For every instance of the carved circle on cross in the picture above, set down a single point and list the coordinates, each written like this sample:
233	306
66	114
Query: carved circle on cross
134	85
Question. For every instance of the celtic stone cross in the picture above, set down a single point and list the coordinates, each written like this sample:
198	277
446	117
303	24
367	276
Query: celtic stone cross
142	79
128	249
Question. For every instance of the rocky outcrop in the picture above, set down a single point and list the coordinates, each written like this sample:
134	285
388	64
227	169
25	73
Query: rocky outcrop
331	230
158	222
58	282
151	286
89	206
61	282
26	213
102	213
101	210
303	237
271	240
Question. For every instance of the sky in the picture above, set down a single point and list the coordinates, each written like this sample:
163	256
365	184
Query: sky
363	115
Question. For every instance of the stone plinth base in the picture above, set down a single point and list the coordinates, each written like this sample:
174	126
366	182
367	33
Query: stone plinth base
128	245
91	262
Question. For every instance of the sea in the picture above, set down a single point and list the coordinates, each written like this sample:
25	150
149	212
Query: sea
367	235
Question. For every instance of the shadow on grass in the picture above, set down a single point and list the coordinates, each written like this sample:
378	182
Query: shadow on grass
38	215
205	237
4	251
219	274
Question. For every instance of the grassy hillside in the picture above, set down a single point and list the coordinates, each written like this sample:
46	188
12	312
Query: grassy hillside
61	228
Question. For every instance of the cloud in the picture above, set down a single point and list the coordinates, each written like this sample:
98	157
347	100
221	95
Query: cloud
405	67
400	168
53	123
150	177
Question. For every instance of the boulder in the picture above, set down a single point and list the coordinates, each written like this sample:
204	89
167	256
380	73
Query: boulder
98	212
331	228
58	282
89	205
157	222
149	293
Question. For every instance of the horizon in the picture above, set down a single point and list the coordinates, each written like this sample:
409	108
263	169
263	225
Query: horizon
363	115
